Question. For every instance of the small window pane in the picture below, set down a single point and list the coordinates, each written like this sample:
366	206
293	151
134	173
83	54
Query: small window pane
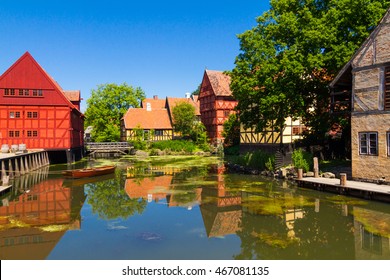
363	143
373	144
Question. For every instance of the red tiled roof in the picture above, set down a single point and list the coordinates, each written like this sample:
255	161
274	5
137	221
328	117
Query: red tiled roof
156	187
154	119
72	95
220	82
226	223
154	103
196	99
172	102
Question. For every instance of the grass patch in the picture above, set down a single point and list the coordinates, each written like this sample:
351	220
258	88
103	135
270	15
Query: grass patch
374	222
274	240
341	200
274	205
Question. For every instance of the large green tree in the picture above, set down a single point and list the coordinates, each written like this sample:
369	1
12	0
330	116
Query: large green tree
288	60
107	105
183	118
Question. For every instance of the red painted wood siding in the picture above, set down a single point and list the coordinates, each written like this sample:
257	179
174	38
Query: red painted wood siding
52	126
47	120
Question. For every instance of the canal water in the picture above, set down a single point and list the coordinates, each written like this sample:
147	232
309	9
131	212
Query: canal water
184	208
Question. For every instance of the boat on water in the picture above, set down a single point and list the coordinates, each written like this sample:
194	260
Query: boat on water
89	172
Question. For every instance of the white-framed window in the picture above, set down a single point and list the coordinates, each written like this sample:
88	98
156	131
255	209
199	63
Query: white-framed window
388	143
368	143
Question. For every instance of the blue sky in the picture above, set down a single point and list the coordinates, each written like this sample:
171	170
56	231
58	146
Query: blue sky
161	46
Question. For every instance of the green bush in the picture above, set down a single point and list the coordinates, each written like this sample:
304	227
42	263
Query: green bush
140	145
270	164
302	160
175	146
232	150
256	160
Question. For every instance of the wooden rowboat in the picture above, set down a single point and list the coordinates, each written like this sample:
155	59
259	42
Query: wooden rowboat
89	172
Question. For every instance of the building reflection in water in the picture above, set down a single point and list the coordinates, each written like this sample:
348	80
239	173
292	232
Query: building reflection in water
157	183
221	210
35	214
272	221
372	234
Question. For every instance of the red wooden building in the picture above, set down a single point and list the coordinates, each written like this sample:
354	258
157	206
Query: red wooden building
37	112
216	103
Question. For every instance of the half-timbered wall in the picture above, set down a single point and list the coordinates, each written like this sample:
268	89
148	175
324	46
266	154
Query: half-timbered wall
158	135
37	127
214	109
292	131
35	111
370	117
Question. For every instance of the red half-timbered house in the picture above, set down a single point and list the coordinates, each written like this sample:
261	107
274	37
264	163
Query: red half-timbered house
216	103
37	112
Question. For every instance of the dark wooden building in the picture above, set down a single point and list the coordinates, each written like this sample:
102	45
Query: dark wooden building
37	112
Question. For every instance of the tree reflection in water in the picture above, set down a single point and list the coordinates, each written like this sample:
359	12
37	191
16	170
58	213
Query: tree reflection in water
110	201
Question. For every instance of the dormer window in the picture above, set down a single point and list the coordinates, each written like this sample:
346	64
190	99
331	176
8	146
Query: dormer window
148	107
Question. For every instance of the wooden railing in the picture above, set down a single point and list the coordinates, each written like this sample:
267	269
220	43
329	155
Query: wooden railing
108	147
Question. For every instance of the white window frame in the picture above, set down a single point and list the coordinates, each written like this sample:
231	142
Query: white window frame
366	148
388	143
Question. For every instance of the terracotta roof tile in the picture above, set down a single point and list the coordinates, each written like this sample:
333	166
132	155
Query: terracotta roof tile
155	188
154	119
72	95
220	82
154	103
173	101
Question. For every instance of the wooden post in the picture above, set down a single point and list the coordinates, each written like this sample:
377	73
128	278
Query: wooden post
315	167
40	159
22	171
344	210
343	179
10	169
34	163
26	165
3	173
5	181
317	205
300	173
17	172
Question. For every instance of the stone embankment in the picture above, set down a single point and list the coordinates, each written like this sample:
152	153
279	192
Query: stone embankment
288	173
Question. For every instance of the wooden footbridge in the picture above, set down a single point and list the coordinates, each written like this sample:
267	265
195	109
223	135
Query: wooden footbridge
108	147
